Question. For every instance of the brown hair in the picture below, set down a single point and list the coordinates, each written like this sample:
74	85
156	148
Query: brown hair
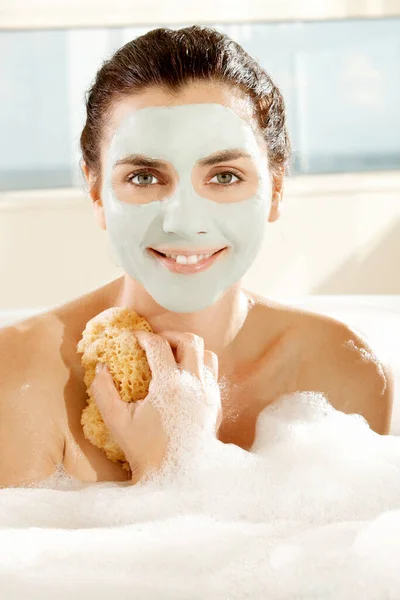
171	59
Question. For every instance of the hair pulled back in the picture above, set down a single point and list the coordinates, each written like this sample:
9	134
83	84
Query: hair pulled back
171	59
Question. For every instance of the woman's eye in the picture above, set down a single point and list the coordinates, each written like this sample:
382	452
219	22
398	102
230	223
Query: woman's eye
222	178
145	178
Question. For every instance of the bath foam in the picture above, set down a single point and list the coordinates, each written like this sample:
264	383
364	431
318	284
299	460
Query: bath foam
189	421
312	511
108	338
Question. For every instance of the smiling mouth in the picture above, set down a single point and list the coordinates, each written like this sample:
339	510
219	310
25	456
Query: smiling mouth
183	266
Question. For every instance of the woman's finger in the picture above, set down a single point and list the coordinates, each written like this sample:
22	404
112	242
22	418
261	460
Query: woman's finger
158	352
189	350
113	410
211	361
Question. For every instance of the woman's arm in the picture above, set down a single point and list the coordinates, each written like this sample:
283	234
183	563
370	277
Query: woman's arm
31	444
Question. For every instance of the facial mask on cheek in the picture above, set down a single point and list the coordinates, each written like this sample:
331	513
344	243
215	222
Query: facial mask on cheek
182	135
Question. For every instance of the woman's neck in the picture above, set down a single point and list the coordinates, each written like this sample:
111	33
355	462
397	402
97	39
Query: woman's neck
218	325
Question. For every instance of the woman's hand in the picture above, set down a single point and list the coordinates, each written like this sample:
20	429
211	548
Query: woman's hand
141	428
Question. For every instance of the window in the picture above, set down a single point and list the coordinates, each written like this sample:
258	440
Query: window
340	81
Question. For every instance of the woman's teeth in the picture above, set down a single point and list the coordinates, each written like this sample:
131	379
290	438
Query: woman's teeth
188	260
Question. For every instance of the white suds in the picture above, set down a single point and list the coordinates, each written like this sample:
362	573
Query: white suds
313	511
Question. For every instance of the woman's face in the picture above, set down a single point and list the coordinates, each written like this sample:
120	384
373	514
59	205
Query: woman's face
184	175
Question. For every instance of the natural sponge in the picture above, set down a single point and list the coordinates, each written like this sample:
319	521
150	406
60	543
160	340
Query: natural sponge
108	338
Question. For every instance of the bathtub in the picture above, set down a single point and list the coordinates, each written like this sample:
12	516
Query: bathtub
313	511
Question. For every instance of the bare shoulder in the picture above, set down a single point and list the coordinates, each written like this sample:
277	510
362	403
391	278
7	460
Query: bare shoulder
50	338
356	379
24	345
336	360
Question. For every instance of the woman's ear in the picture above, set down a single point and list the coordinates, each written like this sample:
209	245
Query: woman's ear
95	196
277	193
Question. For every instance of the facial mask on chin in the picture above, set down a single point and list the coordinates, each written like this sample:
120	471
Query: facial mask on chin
182	135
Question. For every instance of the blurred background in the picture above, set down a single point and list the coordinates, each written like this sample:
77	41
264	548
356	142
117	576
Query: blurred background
338	66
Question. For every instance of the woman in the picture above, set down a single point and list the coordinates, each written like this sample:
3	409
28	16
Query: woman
184	150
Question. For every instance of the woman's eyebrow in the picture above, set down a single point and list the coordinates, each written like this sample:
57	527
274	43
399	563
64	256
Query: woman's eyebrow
141	160
222	156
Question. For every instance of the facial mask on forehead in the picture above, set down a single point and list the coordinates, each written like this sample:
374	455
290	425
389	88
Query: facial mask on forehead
181	135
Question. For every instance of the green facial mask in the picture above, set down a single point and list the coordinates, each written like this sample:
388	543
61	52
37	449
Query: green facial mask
184	219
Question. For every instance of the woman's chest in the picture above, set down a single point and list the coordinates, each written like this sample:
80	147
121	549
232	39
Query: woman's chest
245	392
244	398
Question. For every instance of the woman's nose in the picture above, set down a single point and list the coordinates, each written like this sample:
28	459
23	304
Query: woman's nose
183	216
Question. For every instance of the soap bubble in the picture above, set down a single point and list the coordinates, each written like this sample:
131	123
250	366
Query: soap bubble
312	511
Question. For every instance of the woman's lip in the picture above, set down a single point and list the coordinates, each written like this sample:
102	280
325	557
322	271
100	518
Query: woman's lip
187	252
175	267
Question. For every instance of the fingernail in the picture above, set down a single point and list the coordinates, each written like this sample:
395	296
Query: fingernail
99	367
138	335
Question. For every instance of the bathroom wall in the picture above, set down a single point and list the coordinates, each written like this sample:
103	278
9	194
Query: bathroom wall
59	13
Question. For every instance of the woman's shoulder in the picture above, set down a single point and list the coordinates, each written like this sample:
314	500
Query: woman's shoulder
32	367
49	329
335	359
43	346
23	342
311	329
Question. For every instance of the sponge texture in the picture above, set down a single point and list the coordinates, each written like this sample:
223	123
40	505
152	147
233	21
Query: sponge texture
108	338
